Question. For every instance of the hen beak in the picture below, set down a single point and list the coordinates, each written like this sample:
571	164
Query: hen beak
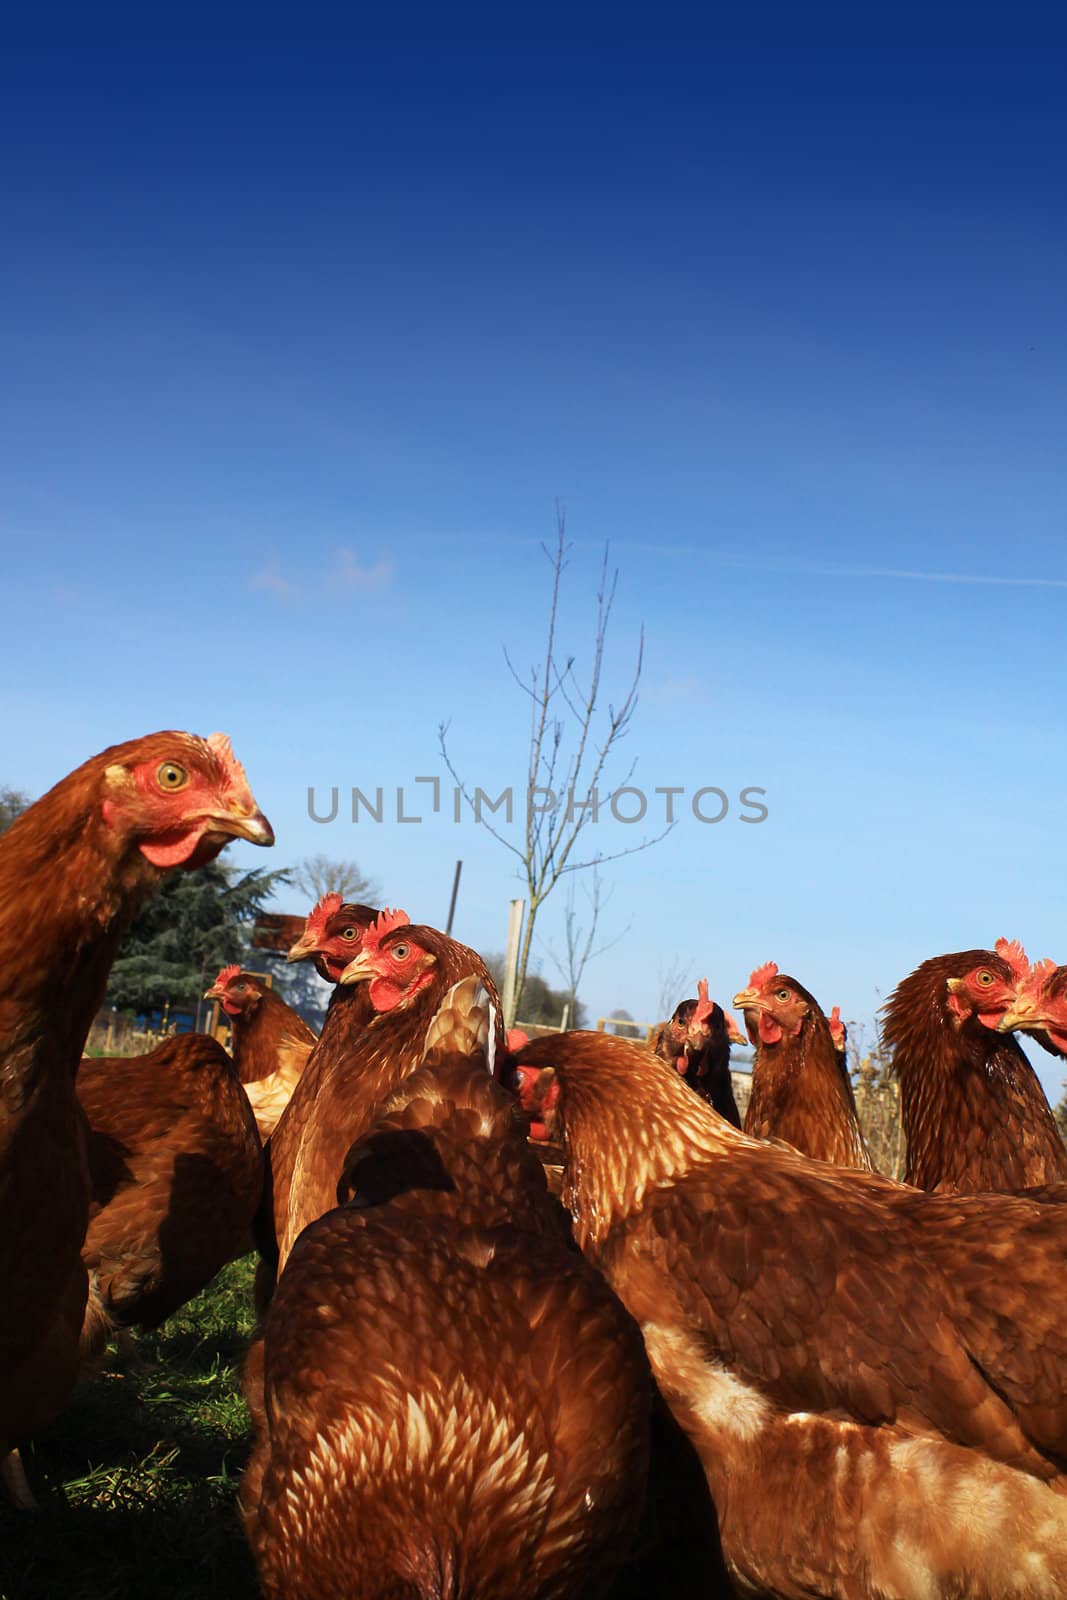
747	1000
252	826
359	969
214	993
736	1034
305	946
1024	1013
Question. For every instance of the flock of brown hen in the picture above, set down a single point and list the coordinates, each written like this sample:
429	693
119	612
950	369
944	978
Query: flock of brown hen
541	1319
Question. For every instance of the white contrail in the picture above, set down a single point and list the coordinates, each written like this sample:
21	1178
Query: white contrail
818	570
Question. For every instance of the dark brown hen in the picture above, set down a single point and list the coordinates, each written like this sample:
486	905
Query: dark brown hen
106	834
696	1042
801	1091
176	1169
874	1377
975	1116
449	1401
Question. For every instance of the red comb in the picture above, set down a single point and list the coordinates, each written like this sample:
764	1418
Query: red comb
236	782
835	1015
1040	973
227	975
1014	954
517	1039
704	1005
385	922
763	975
321	913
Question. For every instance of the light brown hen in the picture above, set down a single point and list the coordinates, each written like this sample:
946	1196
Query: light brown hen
875	1378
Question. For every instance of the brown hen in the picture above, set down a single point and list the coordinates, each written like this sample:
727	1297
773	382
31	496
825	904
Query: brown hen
271	1042
405	972
176	1169
874	1377
696	1042
106	834
449	1401
332	934
1040	1007
801	1090
975	1116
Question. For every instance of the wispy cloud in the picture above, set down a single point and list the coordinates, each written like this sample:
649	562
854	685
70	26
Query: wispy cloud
997	580
272	582
350	573
346	574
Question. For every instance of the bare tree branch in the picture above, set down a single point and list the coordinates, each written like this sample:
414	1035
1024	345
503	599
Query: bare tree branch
319	875
570	747
442	730
579	941
675	984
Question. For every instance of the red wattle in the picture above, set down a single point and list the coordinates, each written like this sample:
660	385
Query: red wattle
175	850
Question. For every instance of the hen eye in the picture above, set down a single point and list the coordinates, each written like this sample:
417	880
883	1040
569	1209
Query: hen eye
348	933
170	776
783	994
985	978
400	952
240	987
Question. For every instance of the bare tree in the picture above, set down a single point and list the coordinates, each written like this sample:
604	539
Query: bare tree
580	945
318	875
569	752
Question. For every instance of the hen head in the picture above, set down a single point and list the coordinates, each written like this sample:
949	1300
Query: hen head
332	936
691	1026
1040	1006
395	959
237	992
775	1006
180	799
538	1091
988	989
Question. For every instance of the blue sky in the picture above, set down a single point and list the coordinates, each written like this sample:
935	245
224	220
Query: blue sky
304	333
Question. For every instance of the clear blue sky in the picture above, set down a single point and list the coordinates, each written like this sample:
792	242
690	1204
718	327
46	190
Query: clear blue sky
305	329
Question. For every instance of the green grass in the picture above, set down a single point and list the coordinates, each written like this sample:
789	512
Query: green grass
137	1480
